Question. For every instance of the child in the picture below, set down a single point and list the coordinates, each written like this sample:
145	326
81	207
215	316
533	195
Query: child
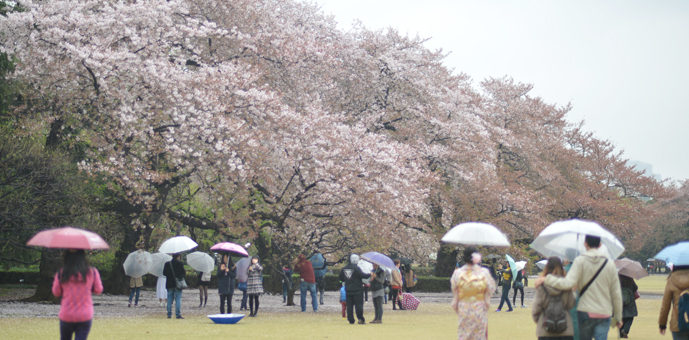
343	301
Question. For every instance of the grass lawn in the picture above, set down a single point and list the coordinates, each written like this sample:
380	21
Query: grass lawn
430	321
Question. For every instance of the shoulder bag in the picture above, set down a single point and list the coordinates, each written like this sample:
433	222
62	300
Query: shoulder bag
583	290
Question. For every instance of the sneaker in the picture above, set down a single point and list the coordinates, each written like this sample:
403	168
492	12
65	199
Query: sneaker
376	321
497	310
130	304
510	310
362	322
523	306
169	316
179	317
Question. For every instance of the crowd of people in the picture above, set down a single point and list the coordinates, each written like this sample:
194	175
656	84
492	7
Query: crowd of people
578	298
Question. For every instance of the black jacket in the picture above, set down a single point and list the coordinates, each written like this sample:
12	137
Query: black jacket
173	269
226	281
519	278
352	275
377	283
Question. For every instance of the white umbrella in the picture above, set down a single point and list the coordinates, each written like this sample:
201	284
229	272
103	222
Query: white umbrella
541	264
242	266
158	262
520	265
201	261
557	238
137	263
177	244
366	267
476	233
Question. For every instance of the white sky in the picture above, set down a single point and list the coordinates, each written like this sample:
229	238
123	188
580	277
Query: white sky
623	64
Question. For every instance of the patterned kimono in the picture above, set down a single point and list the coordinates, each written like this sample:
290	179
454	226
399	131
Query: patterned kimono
471	287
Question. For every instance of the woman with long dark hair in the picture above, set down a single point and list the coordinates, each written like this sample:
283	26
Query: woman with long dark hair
227	271
75	282
254	284
543	298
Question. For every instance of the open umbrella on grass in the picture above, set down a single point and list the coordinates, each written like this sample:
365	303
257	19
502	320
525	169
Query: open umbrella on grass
68	238
138	263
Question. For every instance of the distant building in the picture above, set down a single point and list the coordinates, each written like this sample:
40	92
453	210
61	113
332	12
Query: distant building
646	168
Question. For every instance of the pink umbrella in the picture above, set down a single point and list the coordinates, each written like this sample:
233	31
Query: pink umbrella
68	238
231	248
630	268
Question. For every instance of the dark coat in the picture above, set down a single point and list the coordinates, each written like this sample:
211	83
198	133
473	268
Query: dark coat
352	275
226	281
377	283
173	269
630	310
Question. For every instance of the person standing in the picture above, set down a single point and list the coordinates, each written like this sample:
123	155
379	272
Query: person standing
286	282
352	275
378	292
75	282
677	285
544	297
161	291
135	284
506	284
204	280
599	290
254	284
396	286
519	286
472	286
307	282
227	271
343	301
320	268
629	310
174	270
409	278
242	266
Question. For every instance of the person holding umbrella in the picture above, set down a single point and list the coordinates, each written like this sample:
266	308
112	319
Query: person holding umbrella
396	286
227	272
75	282
471	288
173	271
629	310
676	290
352	275
377	292
254	284
507	278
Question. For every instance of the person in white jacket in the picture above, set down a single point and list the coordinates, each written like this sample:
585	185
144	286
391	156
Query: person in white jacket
599	294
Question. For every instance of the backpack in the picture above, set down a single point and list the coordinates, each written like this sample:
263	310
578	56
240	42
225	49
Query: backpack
555	318
683	311
206	276
627	296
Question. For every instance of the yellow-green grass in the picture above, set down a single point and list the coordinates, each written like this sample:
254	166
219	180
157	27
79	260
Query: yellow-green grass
431	321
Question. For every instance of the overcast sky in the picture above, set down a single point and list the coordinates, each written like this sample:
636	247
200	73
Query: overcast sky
624	65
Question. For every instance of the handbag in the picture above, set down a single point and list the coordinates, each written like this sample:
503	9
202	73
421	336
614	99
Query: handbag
241	286
181	283
518	285
636	295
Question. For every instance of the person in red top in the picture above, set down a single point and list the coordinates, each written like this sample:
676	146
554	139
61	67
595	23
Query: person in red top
75	282
308	282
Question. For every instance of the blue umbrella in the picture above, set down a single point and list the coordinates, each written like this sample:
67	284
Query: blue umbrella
318	261
678	254
513	266
379	259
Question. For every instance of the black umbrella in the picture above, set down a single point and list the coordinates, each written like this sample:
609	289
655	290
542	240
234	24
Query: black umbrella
403	260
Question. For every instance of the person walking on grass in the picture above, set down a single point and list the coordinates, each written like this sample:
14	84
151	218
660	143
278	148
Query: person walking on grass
174	270
472	286
352	275
378	292
506	284
254	284
676	288
546	300
600	296
629	310
227	271
75	282
307	282
519	286
320	268
135	284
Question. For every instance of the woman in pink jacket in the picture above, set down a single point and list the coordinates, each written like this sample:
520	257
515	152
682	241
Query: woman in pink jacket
75	282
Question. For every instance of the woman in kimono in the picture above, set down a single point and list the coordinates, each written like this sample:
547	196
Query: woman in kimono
472	286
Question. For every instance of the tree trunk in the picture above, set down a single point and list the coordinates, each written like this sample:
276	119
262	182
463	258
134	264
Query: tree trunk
51	262
447	260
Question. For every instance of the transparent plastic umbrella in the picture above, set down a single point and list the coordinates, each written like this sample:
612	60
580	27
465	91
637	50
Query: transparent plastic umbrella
557	238
379	259
158	262
541	264
177	244
138	263
520	265
201	261
476	233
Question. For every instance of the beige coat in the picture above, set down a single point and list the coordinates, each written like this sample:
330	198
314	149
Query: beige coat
541	303
604	295
676	284
409	279
135	282
396	278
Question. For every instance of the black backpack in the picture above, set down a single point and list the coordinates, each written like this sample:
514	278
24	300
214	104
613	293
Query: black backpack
627	296
555	318
683	311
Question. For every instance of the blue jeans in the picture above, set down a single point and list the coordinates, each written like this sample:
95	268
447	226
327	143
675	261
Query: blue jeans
505	297
592	328
176	294
131	294
285	291
311	287
680	336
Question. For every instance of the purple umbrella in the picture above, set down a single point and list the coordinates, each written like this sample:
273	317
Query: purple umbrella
379	259
229	247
